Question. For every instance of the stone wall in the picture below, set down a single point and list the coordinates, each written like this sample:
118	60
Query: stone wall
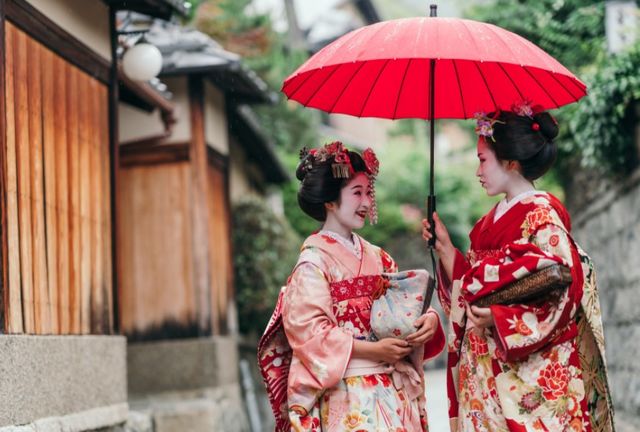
608	229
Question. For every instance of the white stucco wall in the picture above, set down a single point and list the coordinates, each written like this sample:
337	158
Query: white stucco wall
134	123
215	117
86	20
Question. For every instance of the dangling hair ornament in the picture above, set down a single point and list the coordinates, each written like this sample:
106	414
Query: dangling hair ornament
373	166
484	124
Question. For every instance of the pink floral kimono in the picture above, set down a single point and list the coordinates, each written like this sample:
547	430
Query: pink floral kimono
312	381
541	367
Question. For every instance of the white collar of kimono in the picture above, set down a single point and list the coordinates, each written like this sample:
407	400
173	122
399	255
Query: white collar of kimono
504	205
352	245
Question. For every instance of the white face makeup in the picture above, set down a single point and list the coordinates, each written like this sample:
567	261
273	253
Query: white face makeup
493	174
355	202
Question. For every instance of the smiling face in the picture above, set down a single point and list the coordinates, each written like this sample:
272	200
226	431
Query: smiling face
494	175
354	204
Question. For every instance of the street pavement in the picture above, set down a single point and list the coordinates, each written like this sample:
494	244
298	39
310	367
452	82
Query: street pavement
436	380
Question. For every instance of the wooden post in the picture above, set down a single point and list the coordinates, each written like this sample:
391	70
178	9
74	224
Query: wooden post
199	167
4	262
114	164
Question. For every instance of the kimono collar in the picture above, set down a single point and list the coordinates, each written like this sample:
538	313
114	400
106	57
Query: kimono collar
354	245
504	205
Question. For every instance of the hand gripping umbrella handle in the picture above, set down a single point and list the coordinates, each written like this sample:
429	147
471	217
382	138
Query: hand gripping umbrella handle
431	208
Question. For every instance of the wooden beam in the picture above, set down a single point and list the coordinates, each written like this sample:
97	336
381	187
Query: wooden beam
136	155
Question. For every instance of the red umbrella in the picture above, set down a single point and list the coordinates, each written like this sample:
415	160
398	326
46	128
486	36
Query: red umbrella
430	68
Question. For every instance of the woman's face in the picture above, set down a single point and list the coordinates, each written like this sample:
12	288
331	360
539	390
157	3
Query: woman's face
493	173
355	202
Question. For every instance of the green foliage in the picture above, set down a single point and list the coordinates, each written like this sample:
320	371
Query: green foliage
572	31
599	135
603	123
265	250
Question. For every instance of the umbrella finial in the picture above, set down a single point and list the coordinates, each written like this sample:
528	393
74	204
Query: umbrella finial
433	10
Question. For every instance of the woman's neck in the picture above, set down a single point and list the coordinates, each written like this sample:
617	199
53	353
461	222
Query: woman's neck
517	186
339	229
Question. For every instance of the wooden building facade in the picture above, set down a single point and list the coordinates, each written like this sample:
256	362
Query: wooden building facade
56	206
115	217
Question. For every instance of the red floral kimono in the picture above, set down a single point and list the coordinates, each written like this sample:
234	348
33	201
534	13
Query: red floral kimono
305	354
541	367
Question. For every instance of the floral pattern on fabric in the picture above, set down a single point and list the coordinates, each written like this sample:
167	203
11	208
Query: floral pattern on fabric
362	403
531	371
326	304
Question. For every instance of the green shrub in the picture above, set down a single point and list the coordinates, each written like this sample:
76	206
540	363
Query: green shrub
265	249
604	121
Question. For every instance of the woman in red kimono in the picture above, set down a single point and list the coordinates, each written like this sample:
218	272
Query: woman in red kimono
323	368
521	367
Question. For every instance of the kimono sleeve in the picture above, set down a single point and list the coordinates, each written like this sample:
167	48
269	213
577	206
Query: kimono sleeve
460	267
388	264
522	329
322	348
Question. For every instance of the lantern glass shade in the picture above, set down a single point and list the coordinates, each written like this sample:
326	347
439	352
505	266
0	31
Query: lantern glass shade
142	62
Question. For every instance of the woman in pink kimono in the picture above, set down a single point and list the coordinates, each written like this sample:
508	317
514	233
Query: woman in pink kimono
323	368
521	367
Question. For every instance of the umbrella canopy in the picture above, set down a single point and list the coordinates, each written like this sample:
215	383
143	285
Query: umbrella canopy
384	70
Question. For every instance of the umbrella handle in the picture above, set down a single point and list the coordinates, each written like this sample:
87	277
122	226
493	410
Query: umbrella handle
431	207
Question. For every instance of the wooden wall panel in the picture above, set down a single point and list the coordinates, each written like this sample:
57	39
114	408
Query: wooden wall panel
58	198
155	239
220	248
73	156
21	107
49	84
14	290
84	180
41	312
62	196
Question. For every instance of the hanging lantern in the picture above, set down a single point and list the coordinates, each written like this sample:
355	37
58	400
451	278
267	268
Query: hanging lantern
142	62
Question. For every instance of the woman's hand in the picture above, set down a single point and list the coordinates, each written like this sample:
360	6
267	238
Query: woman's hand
480	317
443	241
444	247
388	350
391	350
427	326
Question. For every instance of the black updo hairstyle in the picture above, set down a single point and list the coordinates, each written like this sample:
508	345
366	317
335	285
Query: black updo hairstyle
318	186
528	140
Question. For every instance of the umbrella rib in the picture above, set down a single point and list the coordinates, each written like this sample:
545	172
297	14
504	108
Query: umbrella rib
364	105
545	90
486	85
346	86
511	79
565	87
406	69
455	68
335	68
309	75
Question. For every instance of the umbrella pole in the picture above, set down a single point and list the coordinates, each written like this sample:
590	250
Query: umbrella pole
431	201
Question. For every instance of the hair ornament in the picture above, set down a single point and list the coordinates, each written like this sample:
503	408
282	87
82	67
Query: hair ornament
484	124
373	167
341	166
535	126
523	108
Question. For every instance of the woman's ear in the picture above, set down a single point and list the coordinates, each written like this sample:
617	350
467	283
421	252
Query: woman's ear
330	206
513	165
